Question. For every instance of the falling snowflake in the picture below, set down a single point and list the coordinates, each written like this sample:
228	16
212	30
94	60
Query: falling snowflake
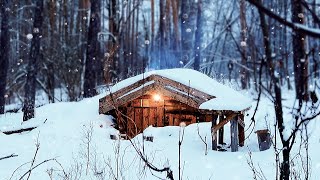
29	36
300	15
147	42
36	30
188	30
243	44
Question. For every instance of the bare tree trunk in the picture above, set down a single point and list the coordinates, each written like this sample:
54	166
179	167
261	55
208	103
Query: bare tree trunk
285	166
34	57
92	51
198	38
186	31
51	69
152	29
162	30
4	52
300	60
176	41
243	44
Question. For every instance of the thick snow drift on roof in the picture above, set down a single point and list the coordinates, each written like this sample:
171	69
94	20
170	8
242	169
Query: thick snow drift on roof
226	98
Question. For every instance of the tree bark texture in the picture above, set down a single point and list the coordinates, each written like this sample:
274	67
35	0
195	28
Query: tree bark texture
32	68
92	51
4	52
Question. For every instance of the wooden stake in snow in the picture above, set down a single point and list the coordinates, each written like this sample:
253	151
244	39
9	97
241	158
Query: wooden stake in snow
234	134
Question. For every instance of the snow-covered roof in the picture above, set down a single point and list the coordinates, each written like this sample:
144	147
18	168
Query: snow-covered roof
226	98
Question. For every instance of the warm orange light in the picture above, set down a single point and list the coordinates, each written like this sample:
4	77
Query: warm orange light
156	97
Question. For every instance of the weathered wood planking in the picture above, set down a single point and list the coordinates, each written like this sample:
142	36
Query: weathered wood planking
234	134
225	121
221	130
112	100
179	103
241	130
163	81
160	116
214	132
145	117
131	126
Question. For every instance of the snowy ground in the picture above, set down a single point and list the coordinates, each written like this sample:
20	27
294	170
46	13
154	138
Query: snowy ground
64	137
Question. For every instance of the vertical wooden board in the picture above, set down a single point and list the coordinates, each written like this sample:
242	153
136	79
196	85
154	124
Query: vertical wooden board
171	120
214	133
234	134
145	118
193	119
153	117
138	119
160	116
176	120
221	131
241	131
130	122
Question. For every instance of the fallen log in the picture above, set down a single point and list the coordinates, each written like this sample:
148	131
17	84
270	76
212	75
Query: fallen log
18	130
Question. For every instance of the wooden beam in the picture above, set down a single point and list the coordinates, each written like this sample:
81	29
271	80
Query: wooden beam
214	133
134	95
241	121
178	96
18	130
131	87
234	134
225	121
163	81
221	130
241	130
106	104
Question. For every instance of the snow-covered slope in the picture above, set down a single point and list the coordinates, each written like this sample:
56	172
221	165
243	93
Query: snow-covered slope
65	133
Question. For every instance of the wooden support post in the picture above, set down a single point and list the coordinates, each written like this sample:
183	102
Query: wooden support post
234	134
241	130
214	132
221	130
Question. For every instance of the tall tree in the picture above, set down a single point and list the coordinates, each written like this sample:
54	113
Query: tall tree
92	50
243	44
198	38
186	30
300	60
34	57
4	52
162	29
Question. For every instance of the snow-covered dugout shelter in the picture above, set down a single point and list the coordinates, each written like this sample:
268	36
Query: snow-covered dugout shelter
174	96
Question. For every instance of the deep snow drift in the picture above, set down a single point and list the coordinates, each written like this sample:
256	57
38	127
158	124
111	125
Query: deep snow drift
64	136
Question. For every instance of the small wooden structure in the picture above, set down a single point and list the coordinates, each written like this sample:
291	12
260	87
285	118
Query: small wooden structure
167	98
264	139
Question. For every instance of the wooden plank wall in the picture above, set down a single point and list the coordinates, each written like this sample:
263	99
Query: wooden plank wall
144	111
234	134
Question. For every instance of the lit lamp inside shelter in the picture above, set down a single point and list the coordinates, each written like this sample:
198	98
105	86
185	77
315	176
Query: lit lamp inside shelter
156	97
